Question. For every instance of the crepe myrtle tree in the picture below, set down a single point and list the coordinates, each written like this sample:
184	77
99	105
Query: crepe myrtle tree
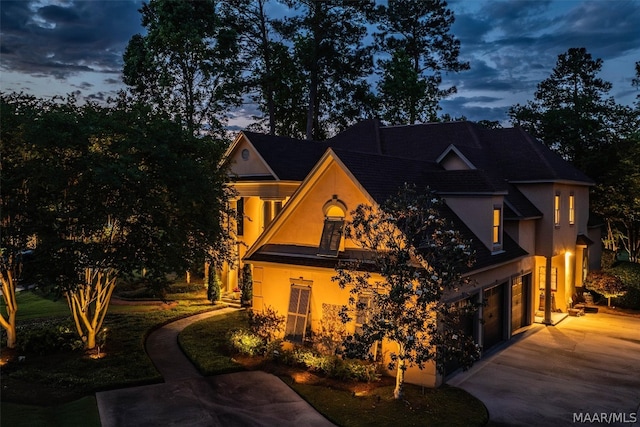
414	260
121	189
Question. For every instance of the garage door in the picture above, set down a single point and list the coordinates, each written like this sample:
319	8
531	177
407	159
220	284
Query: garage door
493	316
519	302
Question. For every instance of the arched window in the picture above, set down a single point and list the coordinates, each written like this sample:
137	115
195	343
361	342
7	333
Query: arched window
334	213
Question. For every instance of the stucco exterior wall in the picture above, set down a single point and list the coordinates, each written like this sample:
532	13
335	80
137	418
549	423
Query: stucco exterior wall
477	214
272	288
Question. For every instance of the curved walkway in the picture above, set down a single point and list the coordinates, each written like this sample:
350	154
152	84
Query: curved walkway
186	398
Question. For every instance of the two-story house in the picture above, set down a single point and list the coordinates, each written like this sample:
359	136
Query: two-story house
523	207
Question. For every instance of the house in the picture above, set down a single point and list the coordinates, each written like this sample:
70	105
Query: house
525	209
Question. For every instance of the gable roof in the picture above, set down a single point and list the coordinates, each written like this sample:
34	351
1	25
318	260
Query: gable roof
382	176
365	169
509	153
290	159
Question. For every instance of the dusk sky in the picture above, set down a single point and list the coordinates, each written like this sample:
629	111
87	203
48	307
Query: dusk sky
56	47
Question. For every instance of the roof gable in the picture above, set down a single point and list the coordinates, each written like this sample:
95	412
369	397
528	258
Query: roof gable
247	162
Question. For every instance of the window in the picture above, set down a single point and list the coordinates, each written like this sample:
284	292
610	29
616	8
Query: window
363	311
556	210
298	312
331	235
585	264
572	209
240	217
334	211
542	278
497	227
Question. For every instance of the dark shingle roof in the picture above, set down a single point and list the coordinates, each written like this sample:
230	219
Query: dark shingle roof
503	154
290	159
382	176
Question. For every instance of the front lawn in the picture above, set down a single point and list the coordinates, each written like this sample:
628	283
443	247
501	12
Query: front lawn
344	403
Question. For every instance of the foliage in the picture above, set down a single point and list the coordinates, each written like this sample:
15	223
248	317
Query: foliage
213	288
413	257
266	324
574	115
116	190
606	284
62	376
247	283
331	59
332	332
329	365
192	71
247	342
48	337
629	274
416	37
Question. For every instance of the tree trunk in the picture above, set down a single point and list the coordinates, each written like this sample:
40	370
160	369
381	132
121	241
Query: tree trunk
11	306
400	370
89	303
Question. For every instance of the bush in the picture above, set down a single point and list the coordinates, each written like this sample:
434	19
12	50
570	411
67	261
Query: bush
268	324
213	289
329	365
629	273
48	338
606	284
247	283
246	342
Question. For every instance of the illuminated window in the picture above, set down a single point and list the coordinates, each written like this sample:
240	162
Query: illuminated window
334	211
556	210
572	209
298	313
497	227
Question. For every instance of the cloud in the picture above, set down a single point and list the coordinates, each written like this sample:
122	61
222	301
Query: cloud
66	38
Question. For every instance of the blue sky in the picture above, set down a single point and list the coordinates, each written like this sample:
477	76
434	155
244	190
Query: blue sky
57	47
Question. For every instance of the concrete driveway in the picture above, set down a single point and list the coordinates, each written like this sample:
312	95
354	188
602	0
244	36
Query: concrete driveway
583	371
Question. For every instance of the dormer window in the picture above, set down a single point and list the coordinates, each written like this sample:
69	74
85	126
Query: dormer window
497	228
334	213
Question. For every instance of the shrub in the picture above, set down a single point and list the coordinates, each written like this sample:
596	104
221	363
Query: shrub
247	283
606	284
246	342
46	339
329	365
629	273
268	324
213	289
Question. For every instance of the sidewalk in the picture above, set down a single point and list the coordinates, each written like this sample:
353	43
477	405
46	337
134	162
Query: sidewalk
186	398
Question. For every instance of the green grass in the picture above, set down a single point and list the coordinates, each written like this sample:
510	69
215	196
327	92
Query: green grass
445	406
81	413
65	376
205	344
33	306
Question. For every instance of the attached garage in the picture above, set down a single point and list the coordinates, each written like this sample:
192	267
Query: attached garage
520	289
493	316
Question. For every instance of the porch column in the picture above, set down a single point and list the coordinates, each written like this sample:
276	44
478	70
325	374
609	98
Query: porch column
547	292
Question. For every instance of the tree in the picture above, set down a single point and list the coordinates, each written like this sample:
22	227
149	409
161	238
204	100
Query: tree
606	284
414	256
188	62
17	198
328	48
121	189
572	113
416	37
